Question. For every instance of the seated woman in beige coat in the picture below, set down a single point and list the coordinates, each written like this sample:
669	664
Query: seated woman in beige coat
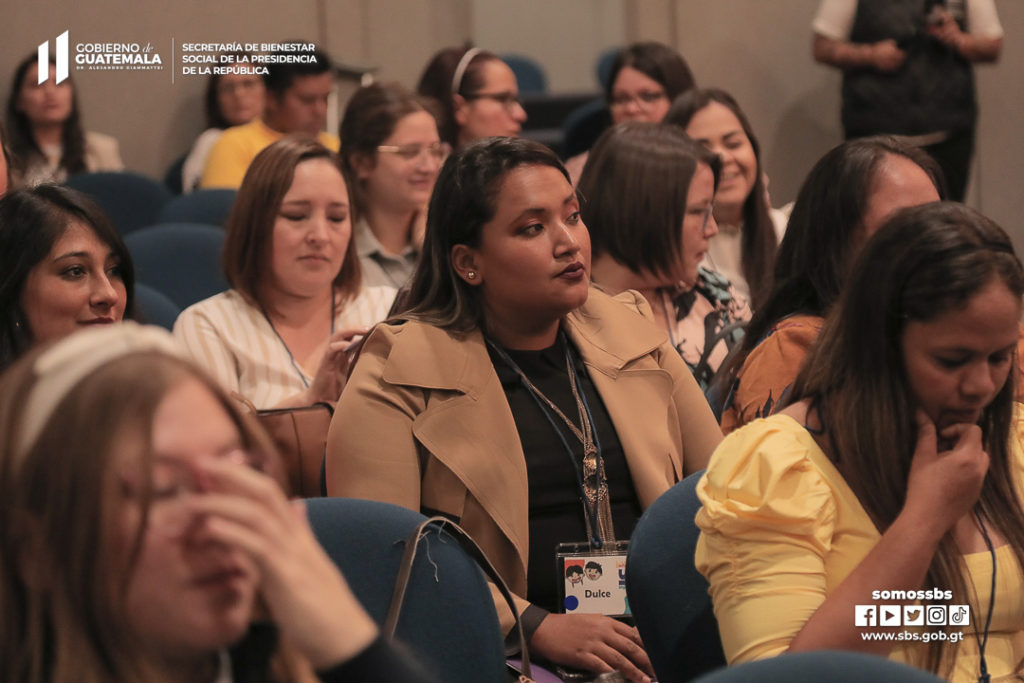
518	401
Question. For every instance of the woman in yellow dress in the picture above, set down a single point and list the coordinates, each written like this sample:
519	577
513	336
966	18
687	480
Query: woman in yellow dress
894	473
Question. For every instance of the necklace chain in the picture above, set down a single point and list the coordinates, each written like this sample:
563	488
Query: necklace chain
595	482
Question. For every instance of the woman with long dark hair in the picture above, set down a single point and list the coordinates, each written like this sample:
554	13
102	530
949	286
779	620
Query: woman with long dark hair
749	228
511	392
63	268
892	482
843	201
45	129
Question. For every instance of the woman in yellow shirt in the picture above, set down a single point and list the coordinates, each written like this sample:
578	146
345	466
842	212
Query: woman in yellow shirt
893	470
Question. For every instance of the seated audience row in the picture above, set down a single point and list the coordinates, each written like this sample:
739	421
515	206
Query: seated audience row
506	377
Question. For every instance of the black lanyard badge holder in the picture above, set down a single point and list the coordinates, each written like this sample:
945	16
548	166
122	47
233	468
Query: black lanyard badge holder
591	575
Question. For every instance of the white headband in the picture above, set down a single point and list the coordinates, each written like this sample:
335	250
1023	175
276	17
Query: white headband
460	70
64	365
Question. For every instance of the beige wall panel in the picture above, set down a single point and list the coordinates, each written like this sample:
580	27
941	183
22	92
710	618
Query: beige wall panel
566	37
156	120
765	61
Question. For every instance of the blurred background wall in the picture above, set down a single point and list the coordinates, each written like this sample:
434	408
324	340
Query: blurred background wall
758	50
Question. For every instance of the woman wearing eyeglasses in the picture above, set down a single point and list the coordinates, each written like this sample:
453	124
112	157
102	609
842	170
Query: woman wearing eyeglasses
391	152
648	191
478	94
751	228
643	81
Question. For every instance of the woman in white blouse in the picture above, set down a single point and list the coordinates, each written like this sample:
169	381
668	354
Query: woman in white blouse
279	336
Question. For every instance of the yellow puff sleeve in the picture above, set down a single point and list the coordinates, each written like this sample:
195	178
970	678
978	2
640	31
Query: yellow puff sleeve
766	526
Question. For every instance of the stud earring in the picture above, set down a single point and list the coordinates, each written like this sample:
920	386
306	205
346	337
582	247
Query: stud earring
471	275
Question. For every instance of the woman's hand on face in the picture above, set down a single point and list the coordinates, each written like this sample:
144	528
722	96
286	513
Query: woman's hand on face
332	372
592	642
307	596
944	486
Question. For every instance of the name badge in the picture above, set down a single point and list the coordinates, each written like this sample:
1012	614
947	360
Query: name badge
592	581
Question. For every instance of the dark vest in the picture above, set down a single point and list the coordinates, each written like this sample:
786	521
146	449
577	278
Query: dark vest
932	91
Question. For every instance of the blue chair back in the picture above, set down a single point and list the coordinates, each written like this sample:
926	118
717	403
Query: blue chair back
202	206
132	201
172	176
823	665
154	308
603	65
448	618
180	260
530	76
583	126
667	595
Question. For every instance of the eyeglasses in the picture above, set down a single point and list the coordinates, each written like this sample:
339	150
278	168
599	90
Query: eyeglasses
705	216
437	150
643	99
509	100
171	483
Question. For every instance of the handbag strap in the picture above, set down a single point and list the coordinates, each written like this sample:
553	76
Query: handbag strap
471	549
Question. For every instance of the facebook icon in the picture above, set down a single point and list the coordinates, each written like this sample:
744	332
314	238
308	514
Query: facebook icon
865	615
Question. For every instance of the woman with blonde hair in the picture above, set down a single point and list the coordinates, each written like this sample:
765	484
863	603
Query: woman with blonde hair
278	337
142	538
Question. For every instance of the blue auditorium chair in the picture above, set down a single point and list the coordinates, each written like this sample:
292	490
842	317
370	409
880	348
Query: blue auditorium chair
179	260
154	308
202	206
530	75
448	618
132	201
667	595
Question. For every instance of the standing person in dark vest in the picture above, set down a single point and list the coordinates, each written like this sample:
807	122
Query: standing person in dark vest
907	71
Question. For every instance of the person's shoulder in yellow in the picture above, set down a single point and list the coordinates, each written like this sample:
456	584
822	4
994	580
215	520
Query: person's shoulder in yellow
238	146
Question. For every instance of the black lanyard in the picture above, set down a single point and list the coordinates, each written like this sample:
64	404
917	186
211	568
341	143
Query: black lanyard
590	510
